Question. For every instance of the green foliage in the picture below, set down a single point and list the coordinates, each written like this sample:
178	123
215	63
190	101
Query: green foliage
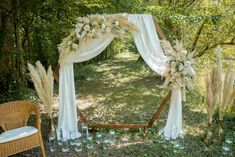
201	24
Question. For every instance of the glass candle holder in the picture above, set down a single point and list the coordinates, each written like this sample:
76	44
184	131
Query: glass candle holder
78	145
106	142
98	138
90	142
65	145
112	136
59	136
84	132
52	139
72	138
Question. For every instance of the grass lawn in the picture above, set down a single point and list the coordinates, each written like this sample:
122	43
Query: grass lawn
125	91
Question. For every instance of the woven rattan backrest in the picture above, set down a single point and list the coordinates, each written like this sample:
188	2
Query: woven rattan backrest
15	114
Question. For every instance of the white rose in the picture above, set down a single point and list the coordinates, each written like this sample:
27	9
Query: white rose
79	19
69	43
187	63
95	23
93	30
108	29
78	35
181	67
86	20
190	71
173	70
125	14
83	34
173	64
75	46
103	26
116	23
87	28
184	72
89	34
184	52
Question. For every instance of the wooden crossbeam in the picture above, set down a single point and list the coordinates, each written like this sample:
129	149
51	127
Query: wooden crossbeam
144	126
159	110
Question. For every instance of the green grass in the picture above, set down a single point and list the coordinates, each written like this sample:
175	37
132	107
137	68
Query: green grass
125	91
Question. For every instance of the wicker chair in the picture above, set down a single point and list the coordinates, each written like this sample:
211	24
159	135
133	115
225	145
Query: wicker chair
18	136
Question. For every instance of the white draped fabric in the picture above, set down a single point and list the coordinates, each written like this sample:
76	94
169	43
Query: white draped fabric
67	98
149	47
147	43
173	126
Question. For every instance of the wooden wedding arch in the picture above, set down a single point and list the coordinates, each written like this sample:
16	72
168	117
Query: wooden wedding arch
126	125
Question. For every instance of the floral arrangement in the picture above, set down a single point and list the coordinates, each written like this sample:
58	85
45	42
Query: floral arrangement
180	72
93	27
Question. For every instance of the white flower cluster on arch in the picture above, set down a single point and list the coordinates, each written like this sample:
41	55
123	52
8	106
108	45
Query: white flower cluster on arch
93	27
181	66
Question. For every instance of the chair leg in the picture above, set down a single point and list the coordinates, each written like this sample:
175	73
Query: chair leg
42	146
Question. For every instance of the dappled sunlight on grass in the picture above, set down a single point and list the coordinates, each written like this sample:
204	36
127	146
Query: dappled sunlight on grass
119	91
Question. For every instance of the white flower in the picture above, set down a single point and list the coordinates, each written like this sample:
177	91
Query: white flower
190	71
103	26
75	46
173	70
116	23
108	29
89	34
173	64
125	14
181	57
83	34
79	25
95	23
79	19
86	20
184	72
93	31
184	52
69	43
187	63
87	28
180	67
78	35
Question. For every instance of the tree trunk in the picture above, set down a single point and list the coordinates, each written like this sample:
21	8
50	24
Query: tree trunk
19	50
6	46
12	70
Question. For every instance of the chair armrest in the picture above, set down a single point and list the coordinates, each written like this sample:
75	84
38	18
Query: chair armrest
38	118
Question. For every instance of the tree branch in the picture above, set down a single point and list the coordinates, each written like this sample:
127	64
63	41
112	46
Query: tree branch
197	36
213	46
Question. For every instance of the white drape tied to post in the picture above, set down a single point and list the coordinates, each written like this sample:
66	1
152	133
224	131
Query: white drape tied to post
148	45
173	126
67	98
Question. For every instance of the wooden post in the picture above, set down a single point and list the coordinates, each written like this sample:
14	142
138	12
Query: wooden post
158	29
159	110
